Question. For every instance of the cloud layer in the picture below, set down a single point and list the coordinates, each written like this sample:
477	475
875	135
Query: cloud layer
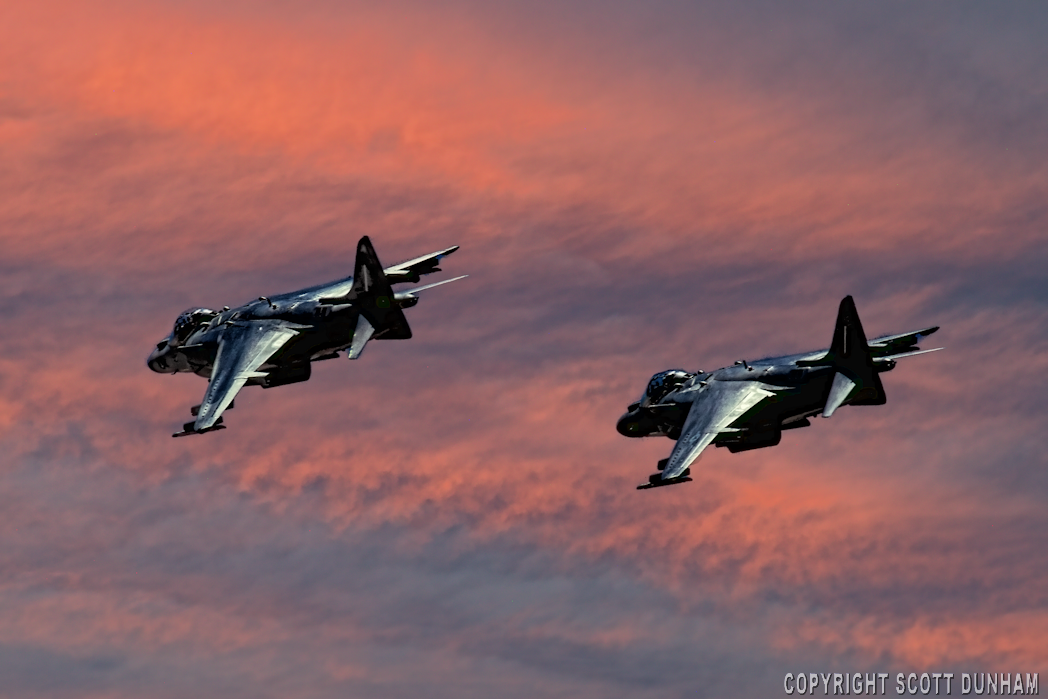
633	189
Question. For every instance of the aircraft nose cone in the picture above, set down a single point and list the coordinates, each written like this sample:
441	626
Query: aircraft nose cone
157	360
628	425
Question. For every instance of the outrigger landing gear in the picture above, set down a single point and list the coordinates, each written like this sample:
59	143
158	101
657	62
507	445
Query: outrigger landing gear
187	429
655	480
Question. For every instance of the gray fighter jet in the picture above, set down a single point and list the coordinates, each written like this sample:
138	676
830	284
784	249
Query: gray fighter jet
271	342
747	406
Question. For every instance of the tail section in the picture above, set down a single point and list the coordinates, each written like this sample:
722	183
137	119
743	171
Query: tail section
380	310
363	332
380	317
856	381
848	337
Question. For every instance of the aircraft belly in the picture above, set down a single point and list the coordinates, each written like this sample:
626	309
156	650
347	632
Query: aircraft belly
808	400
787	405
322	340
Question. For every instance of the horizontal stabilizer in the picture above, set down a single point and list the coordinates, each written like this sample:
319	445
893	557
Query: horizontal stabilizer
908	354
417	289
408	298
361	335
840	390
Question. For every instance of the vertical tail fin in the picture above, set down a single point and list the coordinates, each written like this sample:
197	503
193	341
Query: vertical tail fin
380	316
856	381
848	337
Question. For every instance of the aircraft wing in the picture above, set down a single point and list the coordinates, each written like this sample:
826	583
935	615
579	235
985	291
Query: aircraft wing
411	270
715	407
243	348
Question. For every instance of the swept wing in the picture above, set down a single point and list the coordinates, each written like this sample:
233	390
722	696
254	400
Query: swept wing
243	348
715	406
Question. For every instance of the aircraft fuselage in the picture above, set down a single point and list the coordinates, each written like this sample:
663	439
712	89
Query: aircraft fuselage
803	395
324	330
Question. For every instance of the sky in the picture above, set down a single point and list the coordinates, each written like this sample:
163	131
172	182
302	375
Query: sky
634	187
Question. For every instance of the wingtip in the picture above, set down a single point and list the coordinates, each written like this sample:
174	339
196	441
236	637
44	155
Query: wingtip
663	483
189	429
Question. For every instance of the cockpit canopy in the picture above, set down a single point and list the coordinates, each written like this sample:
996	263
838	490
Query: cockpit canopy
664	382
191	319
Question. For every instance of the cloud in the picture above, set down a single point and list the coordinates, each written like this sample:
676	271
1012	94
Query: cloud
455	514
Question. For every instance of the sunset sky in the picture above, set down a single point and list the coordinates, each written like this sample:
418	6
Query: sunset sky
635	187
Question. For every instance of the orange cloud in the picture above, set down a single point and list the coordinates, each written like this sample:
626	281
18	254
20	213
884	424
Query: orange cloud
382	96
167	155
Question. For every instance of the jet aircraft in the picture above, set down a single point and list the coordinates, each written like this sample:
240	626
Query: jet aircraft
272	341
748	405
